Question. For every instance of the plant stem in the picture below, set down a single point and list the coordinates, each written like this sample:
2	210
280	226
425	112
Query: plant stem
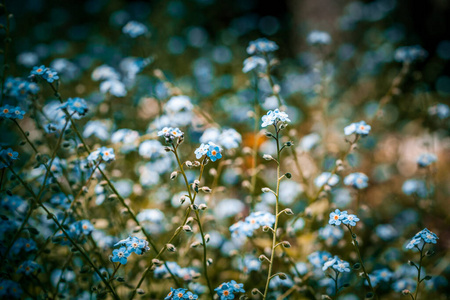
366	275
274	233
416	293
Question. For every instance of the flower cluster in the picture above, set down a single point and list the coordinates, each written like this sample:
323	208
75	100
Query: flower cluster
75	105
180	294
410	54
11	112
318	38
337	264
227	290
254	221
106	154
273	117
357	180
134	29
210	149
423	237
337	217
361	128
48	74
170	133
77	232
261	46
129	245
426	159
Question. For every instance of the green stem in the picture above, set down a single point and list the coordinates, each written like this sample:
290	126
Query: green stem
366	275
192	198
419	269
274	233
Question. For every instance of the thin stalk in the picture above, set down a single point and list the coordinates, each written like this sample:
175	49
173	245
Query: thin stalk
274	234
192	198
419	269
366	275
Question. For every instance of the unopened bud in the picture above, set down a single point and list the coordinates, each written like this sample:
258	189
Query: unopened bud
267	157
187	228
202	206
171	248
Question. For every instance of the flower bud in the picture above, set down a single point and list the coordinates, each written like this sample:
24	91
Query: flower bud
202	206
173	175
189	164
286	244
267	157
187	228
171	248
195	244
157	262
207	238
206	189
209	261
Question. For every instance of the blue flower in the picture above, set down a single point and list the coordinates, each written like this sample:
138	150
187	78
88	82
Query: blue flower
261	45
341	266
39	70
350	220
10	289
318	258
357	180
50	75
202	150
113	87
135	245
318	38
383	274
6	111
75	105
337	217
410	54
426	159
237	287
189	295
415	186
361	128
441	110
213	152
107	154
254	63
23	244
273	117
10	154
326	178
120	255
225	291
170	133
329	263
134	29
28	267
178	294
427	236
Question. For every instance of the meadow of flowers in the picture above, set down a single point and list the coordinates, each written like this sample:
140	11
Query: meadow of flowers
149	152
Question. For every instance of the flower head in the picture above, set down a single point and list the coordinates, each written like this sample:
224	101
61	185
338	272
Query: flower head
120	255
357	180
273	117
426	159
336	217
75	105
213	152
261	45
361	128
134	29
